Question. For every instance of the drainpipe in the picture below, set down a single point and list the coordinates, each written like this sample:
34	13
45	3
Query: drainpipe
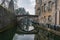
55	12
55	16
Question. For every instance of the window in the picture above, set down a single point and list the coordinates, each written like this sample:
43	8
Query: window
39	1
44	18
44	7
49	6
49	18
38	8
39	11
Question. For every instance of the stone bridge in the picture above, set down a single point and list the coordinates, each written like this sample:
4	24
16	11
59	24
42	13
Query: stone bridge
8	27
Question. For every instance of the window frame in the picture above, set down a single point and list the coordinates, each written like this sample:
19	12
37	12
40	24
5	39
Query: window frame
49	5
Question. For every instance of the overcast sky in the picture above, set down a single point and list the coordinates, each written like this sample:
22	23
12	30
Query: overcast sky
29	5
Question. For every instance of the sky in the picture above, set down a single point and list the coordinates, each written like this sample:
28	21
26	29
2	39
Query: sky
29	5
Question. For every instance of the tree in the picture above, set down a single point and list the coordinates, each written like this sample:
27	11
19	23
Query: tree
20	11
5	3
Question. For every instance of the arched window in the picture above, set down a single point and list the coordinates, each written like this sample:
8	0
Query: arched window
49	18
44	7
44	18
49	5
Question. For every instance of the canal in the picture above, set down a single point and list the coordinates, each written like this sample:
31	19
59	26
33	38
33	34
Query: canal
41	35
24	37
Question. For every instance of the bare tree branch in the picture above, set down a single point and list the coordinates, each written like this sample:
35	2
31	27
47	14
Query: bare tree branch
3	1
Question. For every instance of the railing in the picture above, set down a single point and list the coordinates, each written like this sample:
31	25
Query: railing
48	31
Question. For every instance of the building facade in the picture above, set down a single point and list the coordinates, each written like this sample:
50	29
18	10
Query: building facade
48	11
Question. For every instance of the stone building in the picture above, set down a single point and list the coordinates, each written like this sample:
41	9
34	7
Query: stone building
37	8
11	5
48	11
58	12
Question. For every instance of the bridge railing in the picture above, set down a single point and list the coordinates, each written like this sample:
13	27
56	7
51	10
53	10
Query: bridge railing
48	27
48	31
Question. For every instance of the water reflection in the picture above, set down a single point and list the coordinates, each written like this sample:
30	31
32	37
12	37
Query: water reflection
24	37
31	28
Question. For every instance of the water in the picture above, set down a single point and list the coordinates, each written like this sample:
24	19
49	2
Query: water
23	37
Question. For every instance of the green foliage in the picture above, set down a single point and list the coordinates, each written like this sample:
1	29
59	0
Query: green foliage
20	11
8	34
